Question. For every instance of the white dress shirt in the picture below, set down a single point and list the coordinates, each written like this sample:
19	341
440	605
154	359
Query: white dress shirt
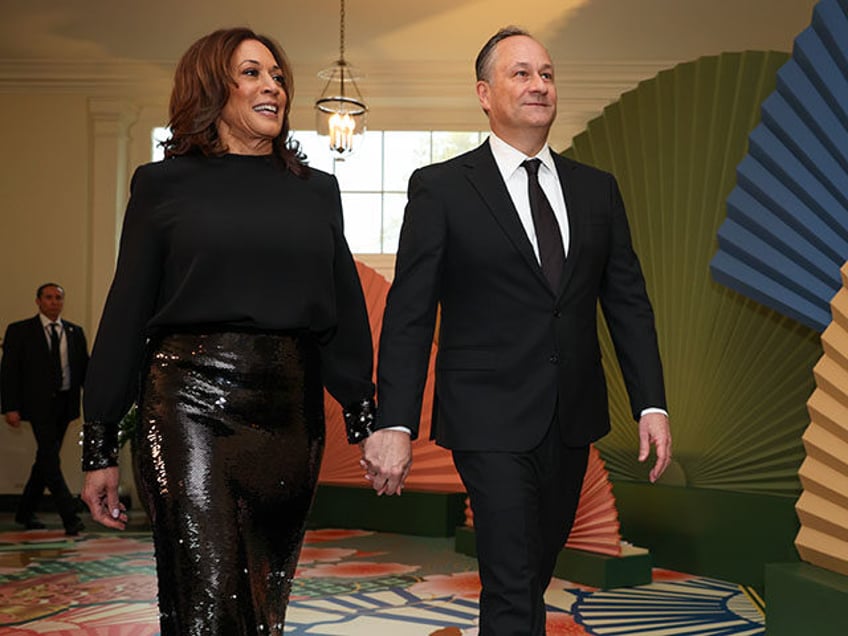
509	162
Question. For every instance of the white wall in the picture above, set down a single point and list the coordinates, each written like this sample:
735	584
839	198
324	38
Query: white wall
66	163
44	230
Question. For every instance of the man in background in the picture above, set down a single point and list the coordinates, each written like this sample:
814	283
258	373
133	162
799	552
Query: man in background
41	372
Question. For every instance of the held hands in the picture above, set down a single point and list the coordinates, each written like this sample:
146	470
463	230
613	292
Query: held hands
654	429
100	493
386	459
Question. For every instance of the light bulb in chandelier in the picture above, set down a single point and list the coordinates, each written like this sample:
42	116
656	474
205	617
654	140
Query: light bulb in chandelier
342	120
341	133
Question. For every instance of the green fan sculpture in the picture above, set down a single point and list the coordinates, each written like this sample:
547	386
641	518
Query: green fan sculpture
737	373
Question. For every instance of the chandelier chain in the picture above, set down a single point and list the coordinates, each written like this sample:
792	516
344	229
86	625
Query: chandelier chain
342	31
340	110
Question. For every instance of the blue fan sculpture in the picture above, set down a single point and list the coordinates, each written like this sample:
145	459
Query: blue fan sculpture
786	233
783	244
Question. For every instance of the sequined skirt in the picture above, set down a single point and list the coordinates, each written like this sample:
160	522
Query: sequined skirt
227	455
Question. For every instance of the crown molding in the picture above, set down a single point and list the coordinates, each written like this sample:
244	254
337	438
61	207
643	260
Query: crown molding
92	77
400	95
412	79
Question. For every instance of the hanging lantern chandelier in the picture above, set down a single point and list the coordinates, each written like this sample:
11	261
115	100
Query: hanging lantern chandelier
340	112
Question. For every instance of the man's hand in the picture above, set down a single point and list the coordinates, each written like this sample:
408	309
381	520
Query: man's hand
13	419
100	493
654	429
386	458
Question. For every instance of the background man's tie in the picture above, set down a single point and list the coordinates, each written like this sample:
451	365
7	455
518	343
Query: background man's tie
55	356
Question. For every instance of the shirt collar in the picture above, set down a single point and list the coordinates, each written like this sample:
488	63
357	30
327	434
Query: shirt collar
46	322
509	158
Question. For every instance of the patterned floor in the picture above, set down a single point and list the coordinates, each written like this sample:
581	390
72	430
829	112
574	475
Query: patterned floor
348	583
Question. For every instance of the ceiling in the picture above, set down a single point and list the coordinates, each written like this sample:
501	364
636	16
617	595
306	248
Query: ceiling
415	56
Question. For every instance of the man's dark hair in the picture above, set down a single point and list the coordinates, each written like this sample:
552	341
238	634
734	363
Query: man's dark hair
482	65
41	289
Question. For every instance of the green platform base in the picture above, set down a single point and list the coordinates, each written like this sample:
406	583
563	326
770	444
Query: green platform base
426	514
722	534
633	567
805	599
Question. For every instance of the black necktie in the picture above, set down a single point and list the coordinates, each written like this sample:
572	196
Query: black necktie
548	236
55	356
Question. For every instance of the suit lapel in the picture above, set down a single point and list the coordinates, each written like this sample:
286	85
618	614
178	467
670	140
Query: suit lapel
69	338
483	173
574	208
38	335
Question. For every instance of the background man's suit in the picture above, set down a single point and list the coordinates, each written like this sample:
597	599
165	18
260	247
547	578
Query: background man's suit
28	385
519	364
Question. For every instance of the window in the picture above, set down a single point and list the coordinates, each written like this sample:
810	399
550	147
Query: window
373	179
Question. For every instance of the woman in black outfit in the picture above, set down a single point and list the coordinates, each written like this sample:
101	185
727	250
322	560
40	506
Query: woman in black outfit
235	300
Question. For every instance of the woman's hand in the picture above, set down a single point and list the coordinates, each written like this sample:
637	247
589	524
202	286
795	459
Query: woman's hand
100	493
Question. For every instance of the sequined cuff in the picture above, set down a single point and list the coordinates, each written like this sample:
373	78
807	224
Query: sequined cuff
359	420
99	445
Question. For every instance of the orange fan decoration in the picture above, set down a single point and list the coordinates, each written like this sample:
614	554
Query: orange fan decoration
596	526
433	469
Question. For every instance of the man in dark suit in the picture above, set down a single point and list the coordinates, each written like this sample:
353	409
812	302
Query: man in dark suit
41	372
517	246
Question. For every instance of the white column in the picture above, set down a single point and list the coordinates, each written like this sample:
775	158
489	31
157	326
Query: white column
109	125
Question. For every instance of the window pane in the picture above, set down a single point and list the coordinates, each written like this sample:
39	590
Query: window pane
450	144
373	180
405	151
393	206
362	222
360	172
316	149
158	135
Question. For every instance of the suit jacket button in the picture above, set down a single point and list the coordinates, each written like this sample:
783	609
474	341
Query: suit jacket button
557	313
554	359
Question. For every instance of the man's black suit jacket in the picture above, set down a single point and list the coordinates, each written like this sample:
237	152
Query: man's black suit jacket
511	349
26	380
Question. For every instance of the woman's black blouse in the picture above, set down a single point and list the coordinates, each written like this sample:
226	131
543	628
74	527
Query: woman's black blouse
226	242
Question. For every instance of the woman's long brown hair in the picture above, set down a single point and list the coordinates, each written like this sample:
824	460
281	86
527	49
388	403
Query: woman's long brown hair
202	83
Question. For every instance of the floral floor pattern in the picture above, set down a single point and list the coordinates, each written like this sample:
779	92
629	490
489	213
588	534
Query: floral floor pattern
349	583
